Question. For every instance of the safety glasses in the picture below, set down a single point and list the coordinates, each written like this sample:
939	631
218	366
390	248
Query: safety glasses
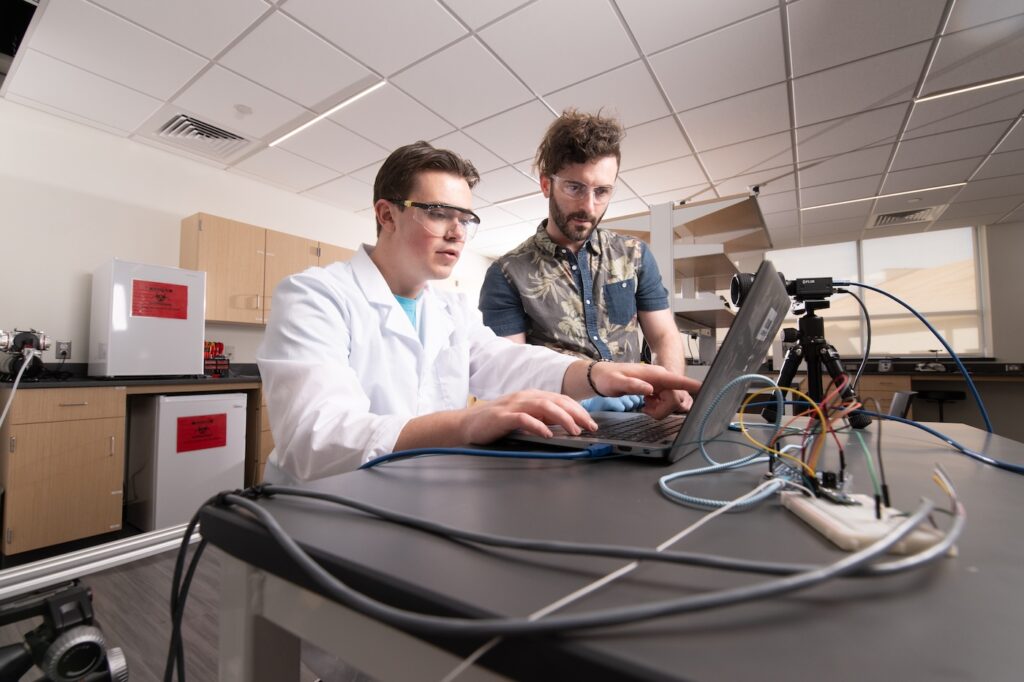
440	219
577	190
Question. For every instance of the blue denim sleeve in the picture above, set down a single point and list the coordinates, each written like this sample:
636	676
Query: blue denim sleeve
500	304
650	291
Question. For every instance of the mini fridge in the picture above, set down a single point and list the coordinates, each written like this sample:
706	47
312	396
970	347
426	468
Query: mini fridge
181	451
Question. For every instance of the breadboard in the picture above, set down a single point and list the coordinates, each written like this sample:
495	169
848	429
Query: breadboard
853	527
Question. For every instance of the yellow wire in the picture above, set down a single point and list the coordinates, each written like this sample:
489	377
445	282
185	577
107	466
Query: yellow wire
765	446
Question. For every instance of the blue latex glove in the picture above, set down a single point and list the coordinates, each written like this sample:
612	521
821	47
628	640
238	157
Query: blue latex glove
622	403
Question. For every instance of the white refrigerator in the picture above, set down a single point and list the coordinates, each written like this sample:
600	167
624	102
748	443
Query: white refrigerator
181	451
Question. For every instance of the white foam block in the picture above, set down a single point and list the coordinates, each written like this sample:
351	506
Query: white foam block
853	527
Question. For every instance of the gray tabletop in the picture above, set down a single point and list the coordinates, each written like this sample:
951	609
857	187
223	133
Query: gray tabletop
957	619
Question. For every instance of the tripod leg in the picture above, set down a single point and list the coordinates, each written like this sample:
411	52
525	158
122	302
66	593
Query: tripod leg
793	357
830	358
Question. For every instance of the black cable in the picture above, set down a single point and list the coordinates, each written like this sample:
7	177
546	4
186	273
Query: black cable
867	343
493	627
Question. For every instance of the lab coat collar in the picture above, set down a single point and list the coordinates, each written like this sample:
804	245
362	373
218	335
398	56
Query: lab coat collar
437	320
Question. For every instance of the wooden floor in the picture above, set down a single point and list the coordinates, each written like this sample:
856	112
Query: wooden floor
131	604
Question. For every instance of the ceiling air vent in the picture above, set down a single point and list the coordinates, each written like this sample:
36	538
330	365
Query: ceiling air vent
920	215
197	136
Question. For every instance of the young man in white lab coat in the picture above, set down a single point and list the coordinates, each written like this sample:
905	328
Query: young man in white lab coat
365	358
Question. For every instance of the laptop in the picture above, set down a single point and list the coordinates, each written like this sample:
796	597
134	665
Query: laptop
744	349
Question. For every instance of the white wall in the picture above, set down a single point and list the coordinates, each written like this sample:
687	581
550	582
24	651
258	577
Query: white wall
72	197
1006	289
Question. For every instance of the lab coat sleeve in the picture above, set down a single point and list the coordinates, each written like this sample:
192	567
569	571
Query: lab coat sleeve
499	366
319	413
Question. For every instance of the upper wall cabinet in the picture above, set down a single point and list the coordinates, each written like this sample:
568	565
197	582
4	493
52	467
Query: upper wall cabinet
244	263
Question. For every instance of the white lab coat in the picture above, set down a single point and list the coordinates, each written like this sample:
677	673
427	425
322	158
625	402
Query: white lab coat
344	369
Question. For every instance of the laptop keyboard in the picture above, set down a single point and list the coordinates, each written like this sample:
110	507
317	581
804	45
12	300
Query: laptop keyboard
640	428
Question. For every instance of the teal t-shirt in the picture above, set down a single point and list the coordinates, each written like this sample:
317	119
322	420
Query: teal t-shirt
409	306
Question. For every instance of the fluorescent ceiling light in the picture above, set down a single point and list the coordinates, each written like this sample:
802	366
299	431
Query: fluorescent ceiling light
330	111
883	196
504	202
979	86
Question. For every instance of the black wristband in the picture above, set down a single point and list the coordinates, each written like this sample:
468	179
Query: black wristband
590	378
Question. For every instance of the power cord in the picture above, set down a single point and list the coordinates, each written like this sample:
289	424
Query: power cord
597	451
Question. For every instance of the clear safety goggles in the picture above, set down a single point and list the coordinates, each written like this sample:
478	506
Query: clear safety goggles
577	190
441	219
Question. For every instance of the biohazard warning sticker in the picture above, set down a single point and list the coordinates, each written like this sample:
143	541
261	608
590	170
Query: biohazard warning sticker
159	299
202	432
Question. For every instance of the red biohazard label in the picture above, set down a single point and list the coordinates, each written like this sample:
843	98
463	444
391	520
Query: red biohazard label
202	432
159	299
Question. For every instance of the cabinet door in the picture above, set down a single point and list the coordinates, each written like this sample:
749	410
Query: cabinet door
329	253
286	255
232	255
64	482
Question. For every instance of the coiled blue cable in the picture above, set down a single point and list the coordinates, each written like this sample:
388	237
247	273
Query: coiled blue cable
956	358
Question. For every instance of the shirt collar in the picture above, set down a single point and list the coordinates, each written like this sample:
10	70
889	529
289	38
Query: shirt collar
544	242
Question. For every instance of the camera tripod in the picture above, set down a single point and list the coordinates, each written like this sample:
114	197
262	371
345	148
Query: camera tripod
816	352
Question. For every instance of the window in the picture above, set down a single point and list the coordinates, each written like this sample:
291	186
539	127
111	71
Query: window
934	272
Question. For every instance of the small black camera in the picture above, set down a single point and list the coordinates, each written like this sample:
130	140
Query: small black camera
804	289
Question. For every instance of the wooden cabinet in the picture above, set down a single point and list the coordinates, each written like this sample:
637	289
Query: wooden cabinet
881	387
245	263
232	254
266	442
329	253
61	465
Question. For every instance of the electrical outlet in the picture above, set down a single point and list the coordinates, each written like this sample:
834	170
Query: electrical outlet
63	350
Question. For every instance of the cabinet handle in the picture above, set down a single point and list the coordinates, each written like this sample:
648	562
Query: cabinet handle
79	404
111	446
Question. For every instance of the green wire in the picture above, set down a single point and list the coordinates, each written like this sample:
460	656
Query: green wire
871	465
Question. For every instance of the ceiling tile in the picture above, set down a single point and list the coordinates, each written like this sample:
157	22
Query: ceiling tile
678	194
856	164
533	207
831	227
839	191
97	41
653	142
1008	185
328	144
504	183
771	151
388	35
627	207
56	84
492	217
778	203
657	24
222	22
868	129
569	41
495	243
967	209
973	221
735	60
977	54
515	134
628	93
859	86
287	58
959	144
826	33
215	94
785	238
970	13
367	174
859	210
462	145
997	103
486	87
391	118
781	220
347	193
917	200
826	233
770	181
1015	140
284	168
1005	163
750	115
661	177
476	13
1016	216
930	176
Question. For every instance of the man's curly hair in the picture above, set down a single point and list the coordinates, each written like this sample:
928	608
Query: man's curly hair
576	137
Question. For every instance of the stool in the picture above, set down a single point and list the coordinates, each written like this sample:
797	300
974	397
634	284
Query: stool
941	397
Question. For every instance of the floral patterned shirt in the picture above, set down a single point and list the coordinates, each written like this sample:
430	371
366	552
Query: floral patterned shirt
584	304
